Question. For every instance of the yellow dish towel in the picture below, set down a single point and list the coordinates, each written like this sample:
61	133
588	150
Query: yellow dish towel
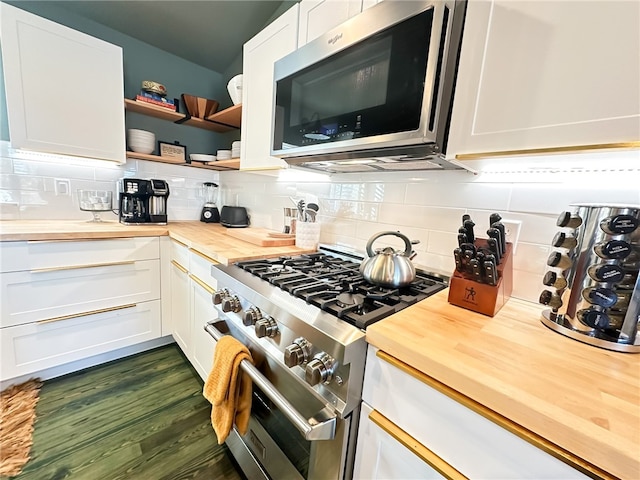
228	388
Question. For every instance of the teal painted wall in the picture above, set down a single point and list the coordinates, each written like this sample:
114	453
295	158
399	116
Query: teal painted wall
142	61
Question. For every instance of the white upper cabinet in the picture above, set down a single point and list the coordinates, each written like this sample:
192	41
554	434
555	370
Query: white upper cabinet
260	53
538	75
320	16
64	89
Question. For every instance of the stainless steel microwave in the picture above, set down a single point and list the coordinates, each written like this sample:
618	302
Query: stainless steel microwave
374	93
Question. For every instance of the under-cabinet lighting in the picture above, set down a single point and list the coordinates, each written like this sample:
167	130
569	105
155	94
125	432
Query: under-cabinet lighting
57	158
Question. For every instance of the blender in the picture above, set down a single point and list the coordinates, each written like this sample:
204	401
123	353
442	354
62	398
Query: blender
210	213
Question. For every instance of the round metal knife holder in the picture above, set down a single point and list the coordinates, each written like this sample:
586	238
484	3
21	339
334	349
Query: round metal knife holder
592	285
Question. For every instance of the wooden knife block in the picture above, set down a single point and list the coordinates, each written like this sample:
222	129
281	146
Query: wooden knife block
465	292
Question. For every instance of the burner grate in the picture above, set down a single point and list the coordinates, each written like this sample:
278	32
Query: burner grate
336	286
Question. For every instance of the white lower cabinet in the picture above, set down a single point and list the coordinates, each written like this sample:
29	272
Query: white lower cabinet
180	298
439	429
381	457
191	307
37	346
202	311
66	301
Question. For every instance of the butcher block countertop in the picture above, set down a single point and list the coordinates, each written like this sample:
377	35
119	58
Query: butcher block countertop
207	238
581	398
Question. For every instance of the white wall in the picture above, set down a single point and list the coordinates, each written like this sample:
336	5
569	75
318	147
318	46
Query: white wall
28	185
429	207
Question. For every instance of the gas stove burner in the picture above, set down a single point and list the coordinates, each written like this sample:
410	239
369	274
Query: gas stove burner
333	283
350	299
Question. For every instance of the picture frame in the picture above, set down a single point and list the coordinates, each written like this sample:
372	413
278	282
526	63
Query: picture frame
172	150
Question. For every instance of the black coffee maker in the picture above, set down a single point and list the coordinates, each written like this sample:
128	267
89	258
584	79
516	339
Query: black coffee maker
143	201
210	213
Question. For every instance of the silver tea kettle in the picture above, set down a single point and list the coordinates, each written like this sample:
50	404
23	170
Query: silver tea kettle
387	267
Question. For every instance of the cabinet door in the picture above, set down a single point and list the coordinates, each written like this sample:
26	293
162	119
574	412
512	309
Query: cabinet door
274	42
202	311
29	348
547	74
380	456
320	16
181	307
64	89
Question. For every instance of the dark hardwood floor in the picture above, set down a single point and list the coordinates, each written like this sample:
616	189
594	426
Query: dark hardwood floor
142	417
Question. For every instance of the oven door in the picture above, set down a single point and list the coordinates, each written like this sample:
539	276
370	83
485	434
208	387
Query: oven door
292	434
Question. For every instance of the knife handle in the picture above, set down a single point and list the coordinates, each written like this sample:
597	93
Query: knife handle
468	226
503	236
495	233
495	250
490	273
477	271
457	255
462	239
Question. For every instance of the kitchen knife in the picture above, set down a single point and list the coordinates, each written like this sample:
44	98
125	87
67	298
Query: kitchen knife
462	239
503	237
495	233
468	226
476	270
457	255
467	256
469	246
490	272
494	248
494	217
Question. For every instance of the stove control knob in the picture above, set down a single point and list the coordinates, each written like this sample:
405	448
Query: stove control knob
231	304
251	316
219	295
266	327
297	353
320	369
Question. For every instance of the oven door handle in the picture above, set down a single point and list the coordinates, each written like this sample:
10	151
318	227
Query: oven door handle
312	428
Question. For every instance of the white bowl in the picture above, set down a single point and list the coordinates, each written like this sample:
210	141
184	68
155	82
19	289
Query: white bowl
135	133
201	157
234	87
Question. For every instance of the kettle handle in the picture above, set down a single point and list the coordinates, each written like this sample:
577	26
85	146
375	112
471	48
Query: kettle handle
407	243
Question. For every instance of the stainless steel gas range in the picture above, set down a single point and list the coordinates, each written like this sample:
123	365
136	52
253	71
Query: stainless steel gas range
304	318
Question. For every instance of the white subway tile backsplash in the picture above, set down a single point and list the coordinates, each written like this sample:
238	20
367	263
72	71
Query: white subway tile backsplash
425	206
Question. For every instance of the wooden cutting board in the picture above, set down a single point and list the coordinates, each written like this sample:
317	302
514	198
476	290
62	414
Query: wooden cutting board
260	237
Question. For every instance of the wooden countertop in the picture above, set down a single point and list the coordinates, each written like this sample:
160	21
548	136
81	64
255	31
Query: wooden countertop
581	398
208	238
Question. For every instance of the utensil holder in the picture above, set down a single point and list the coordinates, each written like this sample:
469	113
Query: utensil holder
465	292
307	235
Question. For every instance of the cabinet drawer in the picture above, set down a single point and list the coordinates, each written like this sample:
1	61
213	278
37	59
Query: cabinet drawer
200	267
180	253
380	456
37	346
49	294
474	445
17	256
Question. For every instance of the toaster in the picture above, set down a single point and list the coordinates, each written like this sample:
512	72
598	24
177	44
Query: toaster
234	217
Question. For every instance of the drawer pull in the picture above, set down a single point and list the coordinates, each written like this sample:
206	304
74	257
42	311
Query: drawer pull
85	314
422	452
202	284
525	434
78	267
206	257
179	242
179	267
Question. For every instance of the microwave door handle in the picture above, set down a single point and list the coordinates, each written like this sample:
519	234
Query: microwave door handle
311	429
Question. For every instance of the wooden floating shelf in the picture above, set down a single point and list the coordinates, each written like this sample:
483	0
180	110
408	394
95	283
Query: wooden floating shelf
233	164
223	121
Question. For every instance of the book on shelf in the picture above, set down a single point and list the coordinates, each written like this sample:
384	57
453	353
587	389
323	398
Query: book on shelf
169	105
